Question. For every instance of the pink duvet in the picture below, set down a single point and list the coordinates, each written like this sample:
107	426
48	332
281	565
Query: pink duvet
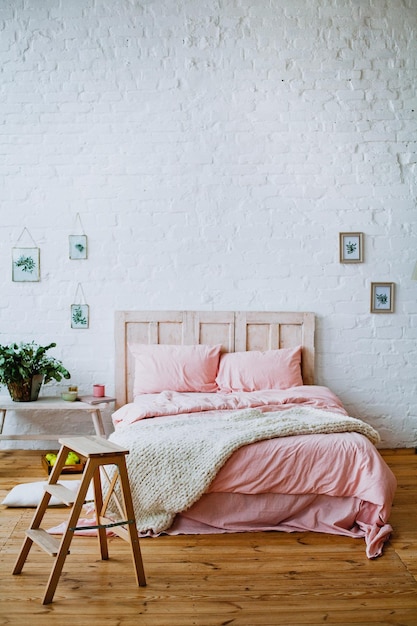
333	483
174	403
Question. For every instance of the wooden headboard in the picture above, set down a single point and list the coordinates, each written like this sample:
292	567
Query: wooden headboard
237	331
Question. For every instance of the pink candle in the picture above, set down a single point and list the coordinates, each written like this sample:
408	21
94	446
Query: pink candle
98	391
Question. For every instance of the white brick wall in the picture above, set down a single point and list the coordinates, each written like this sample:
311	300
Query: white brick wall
214	152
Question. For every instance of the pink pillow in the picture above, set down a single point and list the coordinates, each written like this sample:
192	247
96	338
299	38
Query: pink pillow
255	370
160	367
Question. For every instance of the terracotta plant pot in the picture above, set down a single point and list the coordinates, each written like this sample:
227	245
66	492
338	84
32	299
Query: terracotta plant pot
25	390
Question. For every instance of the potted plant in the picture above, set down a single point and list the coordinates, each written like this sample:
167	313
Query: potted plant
25	366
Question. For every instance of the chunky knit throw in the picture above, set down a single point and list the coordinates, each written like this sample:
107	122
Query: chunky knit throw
173	460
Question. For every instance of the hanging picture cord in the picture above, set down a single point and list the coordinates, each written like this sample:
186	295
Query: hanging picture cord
79	297
79	223
25	230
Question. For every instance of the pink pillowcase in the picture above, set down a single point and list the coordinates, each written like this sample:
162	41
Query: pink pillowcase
160	367
255	370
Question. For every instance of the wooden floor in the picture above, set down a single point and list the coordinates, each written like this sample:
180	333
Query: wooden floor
241	579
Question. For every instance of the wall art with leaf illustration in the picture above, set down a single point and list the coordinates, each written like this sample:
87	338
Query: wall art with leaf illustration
351	247
80	315
25	265
382	297
78	246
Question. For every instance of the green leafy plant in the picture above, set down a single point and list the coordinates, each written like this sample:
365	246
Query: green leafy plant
26	263
381	298
351	247
24	360
78	317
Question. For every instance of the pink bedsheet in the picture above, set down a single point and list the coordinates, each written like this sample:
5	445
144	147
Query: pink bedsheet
230	513
334	483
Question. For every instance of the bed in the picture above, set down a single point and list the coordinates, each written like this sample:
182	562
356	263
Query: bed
227	431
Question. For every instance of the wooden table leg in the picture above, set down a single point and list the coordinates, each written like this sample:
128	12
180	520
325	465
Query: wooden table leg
98	423
2	418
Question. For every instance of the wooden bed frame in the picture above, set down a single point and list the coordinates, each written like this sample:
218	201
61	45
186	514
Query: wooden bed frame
236	331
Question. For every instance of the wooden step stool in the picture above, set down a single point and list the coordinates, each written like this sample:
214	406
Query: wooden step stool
98	452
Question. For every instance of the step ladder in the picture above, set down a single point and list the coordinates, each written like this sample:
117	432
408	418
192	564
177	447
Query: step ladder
98	453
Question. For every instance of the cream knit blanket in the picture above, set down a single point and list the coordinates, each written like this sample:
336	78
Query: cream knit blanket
173	459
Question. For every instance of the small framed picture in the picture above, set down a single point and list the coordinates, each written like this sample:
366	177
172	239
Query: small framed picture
80	316
351	247
25	265
78	246
382	297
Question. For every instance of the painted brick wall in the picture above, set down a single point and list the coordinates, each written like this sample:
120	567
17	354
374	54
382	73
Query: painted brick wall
214	151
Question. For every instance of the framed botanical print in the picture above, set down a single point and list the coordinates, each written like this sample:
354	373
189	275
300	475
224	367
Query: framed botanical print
25	264
351	247
382	297
80	316
78	246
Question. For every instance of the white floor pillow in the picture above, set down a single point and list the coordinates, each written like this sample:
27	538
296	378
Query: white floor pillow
30	494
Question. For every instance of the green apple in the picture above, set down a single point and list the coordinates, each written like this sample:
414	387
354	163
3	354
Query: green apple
51	458
72	459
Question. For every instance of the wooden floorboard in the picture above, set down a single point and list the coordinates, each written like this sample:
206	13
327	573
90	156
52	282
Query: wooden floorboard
250	579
